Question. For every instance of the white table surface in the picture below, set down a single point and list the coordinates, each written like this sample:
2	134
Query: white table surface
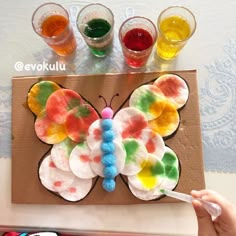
215	29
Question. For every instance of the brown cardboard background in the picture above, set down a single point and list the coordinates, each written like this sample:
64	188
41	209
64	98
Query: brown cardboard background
27	149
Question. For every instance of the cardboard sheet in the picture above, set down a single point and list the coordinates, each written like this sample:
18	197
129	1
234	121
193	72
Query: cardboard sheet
27	149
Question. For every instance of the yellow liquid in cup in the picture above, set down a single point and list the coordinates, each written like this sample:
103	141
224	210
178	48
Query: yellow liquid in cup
174	31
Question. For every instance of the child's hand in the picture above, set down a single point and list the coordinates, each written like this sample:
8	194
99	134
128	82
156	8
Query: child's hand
223	225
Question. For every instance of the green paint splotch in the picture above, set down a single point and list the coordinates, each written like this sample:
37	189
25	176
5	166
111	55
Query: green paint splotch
68	146
169	158
45	90
171	165
157	169
171	172
83	111
145	101
131	148
74	102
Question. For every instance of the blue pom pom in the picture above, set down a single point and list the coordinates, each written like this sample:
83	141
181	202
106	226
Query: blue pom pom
110	172
108	160
109	185
106	124
108	148
108	136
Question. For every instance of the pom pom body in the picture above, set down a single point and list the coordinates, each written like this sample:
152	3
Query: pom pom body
108	148
108	160
109	184
110	172
108	136
106	124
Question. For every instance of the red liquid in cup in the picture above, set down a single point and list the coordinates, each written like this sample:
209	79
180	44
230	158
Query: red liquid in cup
137	40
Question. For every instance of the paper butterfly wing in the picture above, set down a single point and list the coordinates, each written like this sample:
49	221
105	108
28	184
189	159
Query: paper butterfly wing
62	119
159	104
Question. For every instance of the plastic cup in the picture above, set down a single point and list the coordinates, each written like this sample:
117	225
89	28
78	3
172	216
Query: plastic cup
137	36
51	22
95	22
176	25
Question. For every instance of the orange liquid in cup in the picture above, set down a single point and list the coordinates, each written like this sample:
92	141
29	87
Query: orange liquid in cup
59	34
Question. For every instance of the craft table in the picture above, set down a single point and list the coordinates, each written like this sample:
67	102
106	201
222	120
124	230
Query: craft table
211	51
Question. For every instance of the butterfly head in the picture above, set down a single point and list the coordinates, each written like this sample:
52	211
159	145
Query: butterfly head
107	112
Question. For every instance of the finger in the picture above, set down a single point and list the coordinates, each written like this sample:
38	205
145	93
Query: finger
205	224
214	197
211	196
203	192
228	215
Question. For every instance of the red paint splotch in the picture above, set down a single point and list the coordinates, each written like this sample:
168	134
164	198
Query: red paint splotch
97	134
78	121
134	125
170	87
137	135
52	165
97	159
150	145
60	102
84	158
57	183
72	190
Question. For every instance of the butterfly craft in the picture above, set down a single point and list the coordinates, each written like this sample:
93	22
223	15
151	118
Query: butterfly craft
86	145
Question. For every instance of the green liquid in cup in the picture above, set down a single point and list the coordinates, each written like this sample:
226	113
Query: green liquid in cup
97	28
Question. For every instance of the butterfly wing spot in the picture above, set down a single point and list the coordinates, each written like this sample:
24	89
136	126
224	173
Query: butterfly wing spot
136	156
148	99
52	165
131	121
54	179
153	142
150	175
84	158
67	99
72	190
78	190
167	123
78	121
174	88
57	184
97	134
60	154
97	159
79	161
47	130
38	95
